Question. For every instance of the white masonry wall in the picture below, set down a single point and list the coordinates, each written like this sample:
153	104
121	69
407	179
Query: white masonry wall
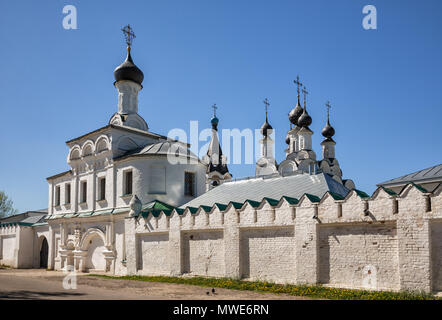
436	242
360	243
354	243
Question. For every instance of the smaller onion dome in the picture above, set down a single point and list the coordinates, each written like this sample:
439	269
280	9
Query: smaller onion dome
304	120
287	139
265	128
295	113
128	70
214	122
328	131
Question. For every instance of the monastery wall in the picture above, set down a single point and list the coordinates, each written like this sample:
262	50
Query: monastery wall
384	241
8	239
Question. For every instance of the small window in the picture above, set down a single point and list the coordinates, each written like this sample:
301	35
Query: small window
102	189
189	184
395	206
427	204
128	183
83	190
67	193
57	196
339	210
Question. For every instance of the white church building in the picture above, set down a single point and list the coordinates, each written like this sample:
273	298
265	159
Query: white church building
136	202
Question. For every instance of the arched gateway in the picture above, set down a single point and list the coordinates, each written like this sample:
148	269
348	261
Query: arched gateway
44	250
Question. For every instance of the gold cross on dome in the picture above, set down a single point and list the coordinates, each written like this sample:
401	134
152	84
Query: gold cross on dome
128	34
298	83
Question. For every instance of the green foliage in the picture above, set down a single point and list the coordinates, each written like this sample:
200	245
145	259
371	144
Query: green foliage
6	206
294	290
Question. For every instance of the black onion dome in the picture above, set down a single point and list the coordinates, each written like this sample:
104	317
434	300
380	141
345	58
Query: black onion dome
328	131
128	70
214	123
287	139
295	113
266	127
304	120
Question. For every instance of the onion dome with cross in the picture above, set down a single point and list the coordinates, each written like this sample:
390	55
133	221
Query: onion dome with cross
266	128
296	112
304	120
128	70
328	131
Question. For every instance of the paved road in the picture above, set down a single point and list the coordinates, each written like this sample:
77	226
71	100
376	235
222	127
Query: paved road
42	284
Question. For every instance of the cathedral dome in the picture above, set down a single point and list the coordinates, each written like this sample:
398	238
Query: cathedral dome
214	121
128	70
295	113
265	128
328	131
304	120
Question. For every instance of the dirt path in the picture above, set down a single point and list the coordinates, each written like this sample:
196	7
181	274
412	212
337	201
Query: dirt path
41	284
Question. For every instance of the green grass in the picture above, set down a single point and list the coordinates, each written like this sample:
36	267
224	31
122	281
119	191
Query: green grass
294	290
2	266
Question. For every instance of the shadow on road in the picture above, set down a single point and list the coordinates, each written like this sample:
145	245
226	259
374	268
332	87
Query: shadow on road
35	295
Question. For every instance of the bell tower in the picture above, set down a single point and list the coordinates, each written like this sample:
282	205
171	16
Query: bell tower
128	80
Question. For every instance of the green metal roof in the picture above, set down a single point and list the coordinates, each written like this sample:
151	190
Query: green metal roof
206	208
291	200
221	206
389	191
336	196
418	187
361	194
254	204
179	211
236	205
157	204
192	209
312	197
272	202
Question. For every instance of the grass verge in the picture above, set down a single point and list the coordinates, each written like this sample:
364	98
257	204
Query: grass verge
294	290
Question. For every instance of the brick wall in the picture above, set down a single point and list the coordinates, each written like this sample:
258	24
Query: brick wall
436	254
355	254
203	253
380	242
268	254
152	253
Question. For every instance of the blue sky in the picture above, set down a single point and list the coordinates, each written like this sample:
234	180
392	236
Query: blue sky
384	84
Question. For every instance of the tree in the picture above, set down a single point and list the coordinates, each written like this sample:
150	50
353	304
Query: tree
6	206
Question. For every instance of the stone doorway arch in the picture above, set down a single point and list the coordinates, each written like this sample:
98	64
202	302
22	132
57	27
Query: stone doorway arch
93	246
44	252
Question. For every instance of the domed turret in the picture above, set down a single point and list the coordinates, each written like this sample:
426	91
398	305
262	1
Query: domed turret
304	120
214	121
287	139
328	131
128	70
295	113
266	127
